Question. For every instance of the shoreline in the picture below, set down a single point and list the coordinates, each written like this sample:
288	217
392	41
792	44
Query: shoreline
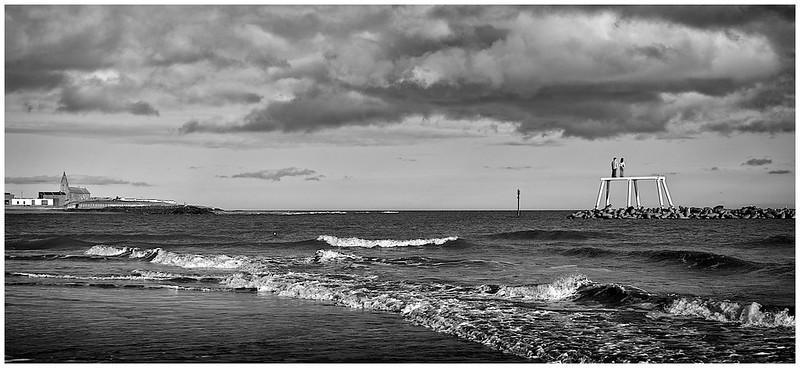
155	210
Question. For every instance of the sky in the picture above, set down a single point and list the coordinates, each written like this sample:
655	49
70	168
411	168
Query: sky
401	107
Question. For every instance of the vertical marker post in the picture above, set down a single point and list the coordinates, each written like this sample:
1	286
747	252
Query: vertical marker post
628	201
518	192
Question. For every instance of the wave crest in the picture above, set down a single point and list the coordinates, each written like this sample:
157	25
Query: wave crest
198	261
105	250
702	260
328	256
726	311
384	243
560	289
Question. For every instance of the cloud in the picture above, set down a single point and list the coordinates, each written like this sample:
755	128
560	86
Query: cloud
580	71
100	98
40	179
74	179
611	86
277	175
780	172
757	162
510	167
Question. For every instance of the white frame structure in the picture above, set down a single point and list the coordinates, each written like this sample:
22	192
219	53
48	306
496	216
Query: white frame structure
661	181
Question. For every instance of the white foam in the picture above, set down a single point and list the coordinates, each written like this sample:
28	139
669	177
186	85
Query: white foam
143	253
73	277
316	287
726	311
329	256
199	261
105	250
560	289
385	243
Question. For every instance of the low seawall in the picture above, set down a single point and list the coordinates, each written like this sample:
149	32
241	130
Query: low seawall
718	212
158	209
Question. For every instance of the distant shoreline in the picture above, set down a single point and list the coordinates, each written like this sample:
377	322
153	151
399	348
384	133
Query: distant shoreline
171	210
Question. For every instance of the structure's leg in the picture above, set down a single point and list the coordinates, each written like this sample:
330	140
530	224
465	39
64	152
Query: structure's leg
660	201
666	191
608	192
628	201
636	191
599	194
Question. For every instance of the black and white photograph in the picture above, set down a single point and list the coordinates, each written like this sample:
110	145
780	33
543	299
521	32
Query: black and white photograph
399	183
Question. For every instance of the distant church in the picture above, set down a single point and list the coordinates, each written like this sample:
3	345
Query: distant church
66	193
73	194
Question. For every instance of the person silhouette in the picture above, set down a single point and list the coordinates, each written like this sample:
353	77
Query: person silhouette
614	167
622	167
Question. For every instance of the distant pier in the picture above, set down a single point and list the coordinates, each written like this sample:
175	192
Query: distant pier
633	183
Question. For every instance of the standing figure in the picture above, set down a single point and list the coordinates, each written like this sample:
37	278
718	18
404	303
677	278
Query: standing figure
614	167
622	167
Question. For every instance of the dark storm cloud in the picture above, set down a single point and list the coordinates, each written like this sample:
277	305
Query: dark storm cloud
77	100
779	172
225	97
20	80
74	179
311	111
757	162
277	175
576	70
60	43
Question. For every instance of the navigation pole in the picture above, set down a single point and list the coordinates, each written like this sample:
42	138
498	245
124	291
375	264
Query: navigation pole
518	192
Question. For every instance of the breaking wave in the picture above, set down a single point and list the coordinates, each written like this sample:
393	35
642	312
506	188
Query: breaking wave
136	275
385	243
330	256
131	252
747	314
560	289
103	250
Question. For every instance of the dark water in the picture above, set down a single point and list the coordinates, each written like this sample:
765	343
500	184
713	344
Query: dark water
397	287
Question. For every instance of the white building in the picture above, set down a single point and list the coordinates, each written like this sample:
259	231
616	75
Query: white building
32	202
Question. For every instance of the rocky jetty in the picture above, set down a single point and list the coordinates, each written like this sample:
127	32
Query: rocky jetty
718	212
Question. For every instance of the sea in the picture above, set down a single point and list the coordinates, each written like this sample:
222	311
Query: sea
396	287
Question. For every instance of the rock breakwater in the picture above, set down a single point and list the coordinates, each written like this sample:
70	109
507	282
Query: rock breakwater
718	212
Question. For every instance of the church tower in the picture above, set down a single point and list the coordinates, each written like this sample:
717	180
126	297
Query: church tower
64	184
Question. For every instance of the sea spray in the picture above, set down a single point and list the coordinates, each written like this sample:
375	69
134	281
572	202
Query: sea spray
727	311
560	289
105	250
331	256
